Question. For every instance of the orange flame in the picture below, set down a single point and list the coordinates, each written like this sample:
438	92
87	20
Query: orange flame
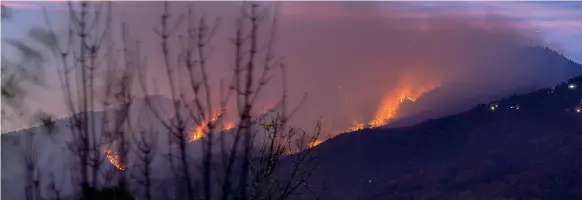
228	126
407	88
355	126
314	143
114	159
388	109
198	131
196	134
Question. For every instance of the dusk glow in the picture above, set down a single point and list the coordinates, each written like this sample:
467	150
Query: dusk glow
291	100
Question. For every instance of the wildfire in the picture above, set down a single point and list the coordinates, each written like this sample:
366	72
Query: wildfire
198	131
389	107
408	88
356	126
314	143
114	159
228	126
195	134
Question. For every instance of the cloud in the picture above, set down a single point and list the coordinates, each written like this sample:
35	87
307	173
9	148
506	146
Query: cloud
17	4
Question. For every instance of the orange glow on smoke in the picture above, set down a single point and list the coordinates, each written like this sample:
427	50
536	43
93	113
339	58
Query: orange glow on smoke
408	88
114	159
389	107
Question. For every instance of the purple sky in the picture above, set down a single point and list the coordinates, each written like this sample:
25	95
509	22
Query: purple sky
560	22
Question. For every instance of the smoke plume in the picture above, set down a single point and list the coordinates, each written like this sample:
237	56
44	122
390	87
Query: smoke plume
352	57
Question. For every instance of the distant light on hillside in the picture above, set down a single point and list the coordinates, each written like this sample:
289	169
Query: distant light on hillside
493	107
572	86
516	107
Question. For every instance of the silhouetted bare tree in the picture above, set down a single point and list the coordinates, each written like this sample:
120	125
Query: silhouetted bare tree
243	162
248	164
87	47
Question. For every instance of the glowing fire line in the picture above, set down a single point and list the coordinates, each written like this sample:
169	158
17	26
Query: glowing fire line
114	159
315	143
194	135
199	130
385	114
407	89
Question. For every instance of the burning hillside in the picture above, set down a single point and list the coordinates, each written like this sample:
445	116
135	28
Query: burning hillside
194	134
523	146
369	66
199	131
408	88
114	159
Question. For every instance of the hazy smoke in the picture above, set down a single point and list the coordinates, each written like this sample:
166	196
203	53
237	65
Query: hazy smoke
348	55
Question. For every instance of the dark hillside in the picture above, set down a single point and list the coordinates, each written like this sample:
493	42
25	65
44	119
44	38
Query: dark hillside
526	146
540	67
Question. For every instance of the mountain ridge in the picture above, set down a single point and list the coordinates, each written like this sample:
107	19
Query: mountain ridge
416	162
437	103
